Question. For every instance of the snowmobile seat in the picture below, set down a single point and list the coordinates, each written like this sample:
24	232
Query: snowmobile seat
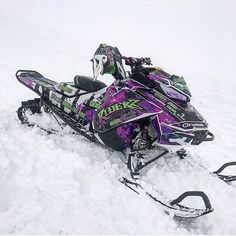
88	83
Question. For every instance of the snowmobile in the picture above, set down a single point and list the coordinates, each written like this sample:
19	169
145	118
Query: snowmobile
143	110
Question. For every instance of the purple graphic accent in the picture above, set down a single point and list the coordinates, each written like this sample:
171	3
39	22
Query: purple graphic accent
28	82
125	132
107	120
111	98
158	76
79	107
166	87
89	114
167	118
134	85
172	93
149	107
110	90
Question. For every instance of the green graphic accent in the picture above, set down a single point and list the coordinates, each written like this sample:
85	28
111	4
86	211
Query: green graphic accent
54	97
176	111
128	104
111	69
94	104
114	122
179	83
179	80
81	114
159	96
172	108
66	105
64	88
74	109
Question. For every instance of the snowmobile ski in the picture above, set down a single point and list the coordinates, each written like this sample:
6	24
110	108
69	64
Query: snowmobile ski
174	207
225	178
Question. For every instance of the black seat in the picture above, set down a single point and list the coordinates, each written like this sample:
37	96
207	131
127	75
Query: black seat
88	84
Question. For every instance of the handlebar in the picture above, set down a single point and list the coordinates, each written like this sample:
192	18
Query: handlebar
136	62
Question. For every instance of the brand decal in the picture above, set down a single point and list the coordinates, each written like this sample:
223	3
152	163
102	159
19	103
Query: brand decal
172	108
192	125
128	104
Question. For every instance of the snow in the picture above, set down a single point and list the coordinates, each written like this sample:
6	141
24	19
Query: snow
52	184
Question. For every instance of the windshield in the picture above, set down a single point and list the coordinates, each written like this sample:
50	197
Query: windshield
172	85
180	84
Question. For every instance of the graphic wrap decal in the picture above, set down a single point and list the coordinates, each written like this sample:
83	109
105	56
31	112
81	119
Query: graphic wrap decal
173	109
125	132
176	122
63	87
28	82
128	104
66	89
94	104
84	114
114	114
122	107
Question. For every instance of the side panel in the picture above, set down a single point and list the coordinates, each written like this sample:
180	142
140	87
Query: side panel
177	125
123	107
76	107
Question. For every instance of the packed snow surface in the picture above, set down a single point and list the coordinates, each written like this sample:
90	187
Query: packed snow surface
65	184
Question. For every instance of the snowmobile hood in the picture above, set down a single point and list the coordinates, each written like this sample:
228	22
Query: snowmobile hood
173	86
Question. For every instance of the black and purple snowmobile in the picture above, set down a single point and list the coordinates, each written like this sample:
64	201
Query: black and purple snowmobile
145	110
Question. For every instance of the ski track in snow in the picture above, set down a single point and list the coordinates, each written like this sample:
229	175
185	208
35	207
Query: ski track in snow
67	185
